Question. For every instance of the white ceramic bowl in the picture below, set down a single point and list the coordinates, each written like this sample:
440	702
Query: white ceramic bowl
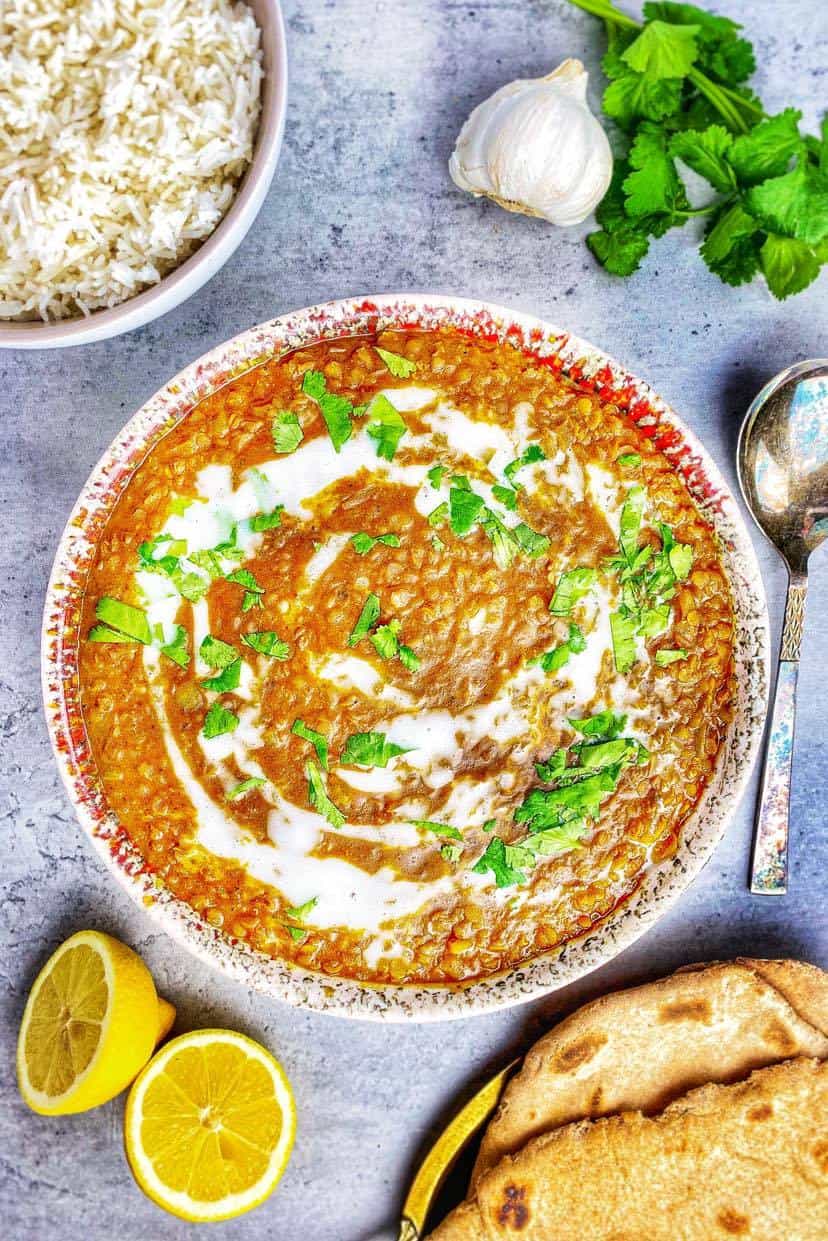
195	271
662	884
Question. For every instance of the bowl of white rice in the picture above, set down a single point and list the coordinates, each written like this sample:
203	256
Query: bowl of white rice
138	139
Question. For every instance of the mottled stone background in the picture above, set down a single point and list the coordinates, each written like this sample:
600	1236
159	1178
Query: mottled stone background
362	203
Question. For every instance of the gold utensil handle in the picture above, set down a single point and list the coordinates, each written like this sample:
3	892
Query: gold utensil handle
769	869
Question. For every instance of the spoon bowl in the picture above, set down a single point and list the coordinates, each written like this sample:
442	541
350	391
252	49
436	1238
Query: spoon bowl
782	462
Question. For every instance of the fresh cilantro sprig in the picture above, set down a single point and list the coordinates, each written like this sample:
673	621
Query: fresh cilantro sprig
677	88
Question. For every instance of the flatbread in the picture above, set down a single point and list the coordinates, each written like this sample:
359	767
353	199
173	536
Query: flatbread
745	1160
638	1050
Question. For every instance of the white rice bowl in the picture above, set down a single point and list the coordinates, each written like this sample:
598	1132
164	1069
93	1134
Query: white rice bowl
125	129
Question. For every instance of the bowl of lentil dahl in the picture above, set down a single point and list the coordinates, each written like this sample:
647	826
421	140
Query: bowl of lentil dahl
405	657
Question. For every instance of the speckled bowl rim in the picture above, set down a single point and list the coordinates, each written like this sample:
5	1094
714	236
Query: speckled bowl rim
562	352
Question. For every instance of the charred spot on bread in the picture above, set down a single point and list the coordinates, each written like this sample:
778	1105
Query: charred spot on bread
686	1010
733	1222
580	1052
780	1038
513	1211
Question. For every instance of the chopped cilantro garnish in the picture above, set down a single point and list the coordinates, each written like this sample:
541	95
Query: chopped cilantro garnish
572	586
387	426
297	933
368	617
531	543
533	453
560	839
370	750
363	543
606	725
227	680
653	621
266	521
622	629
408	658
217	654
385	640
490	825
504	544
439	514
318	796
287	433
208	561
451	853
439	829
400	367
628	460
123	617
319	742
435	475
465	507
552	661
681	560
245	787
630	522
300	912
266	642
594	755
507	496
664	657
102	633
251	600
337	411
179	505
243	577
504	862
218	721
553	767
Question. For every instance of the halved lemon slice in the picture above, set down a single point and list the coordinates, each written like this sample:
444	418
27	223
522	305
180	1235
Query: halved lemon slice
90	1024
209	1125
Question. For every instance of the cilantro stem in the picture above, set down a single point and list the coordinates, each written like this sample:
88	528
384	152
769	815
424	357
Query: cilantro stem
720	101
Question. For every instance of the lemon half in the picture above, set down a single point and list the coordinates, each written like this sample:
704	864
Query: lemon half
90	1025
210	1124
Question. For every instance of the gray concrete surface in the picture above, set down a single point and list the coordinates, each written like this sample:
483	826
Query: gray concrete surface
362	203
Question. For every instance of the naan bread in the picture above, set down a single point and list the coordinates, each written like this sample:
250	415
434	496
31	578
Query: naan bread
638	1050
746	1160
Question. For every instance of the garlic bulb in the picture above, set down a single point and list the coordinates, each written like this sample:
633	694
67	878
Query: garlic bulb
535	147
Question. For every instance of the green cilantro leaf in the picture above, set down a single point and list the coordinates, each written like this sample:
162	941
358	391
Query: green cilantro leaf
439	514
572	586
297	933
102	633
680	556
385	640
653	187
243	577
730	248
368	617
123	617
663	51
622	630
505	545
251	600
634	96
767	150
653	621
531	454
371	750
318	796
408	658
337	411
531	543
605	726
628	460
177	649
363	543
630	522
227	680
439	829
266	642
266	521
219	721
504	861
464	508
620	251
400	367
319	742
387	426
507	496
560	839
300	912
287	432
706	152
217	654
245	787
553	767
794	205
452	853
435	475
788	265
664	657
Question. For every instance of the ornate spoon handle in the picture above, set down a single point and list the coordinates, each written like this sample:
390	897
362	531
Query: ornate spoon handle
769	869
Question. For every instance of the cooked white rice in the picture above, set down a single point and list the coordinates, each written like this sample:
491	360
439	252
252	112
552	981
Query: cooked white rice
125	127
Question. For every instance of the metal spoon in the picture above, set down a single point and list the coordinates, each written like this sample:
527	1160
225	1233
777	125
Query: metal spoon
783	472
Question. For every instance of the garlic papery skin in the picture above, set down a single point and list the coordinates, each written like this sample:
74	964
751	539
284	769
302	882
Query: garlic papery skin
535	147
